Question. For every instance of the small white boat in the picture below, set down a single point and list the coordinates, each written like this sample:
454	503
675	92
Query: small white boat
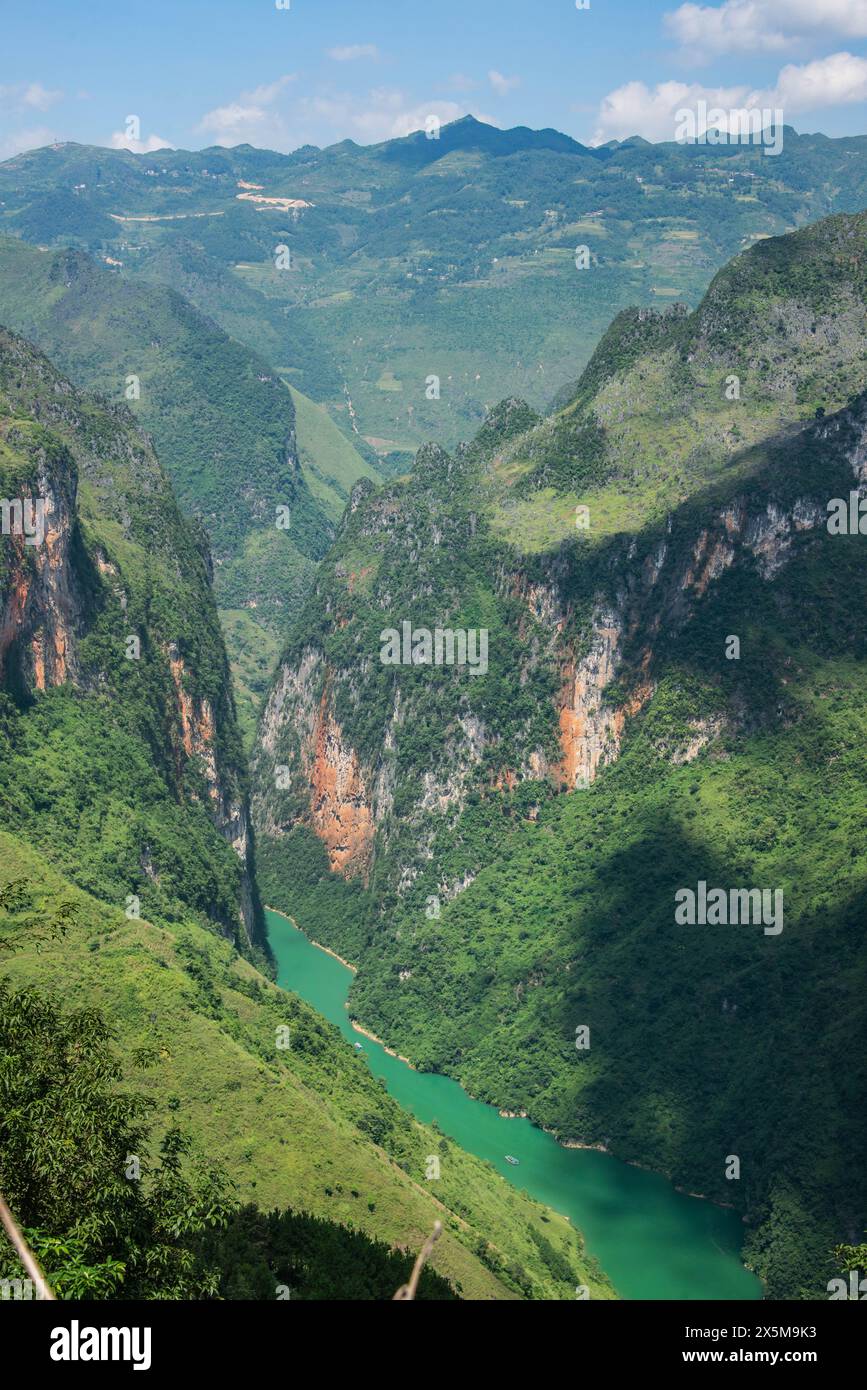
358	1047
510	1159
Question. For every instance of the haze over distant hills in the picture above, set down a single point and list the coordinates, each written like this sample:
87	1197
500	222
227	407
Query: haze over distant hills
418	258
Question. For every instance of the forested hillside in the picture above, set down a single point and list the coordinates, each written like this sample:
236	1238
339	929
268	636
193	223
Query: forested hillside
656	681
122	759
279	1110
128	902
222	420
674	642
452	258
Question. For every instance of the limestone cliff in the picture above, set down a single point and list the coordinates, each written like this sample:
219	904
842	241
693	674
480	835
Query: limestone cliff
600	640
104	592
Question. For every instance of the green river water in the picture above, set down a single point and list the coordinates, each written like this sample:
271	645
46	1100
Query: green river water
651	1241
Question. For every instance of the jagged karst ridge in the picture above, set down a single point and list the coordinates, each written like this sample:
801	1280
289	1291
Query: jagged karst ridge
705	448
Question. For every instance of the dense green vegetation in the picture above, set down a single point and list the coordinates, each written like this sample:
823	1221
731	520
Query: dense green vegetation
125	867
106	772
110	1213
573	923
307	1258
223	423
490	915
102	1223
304	1126
452	257
707	520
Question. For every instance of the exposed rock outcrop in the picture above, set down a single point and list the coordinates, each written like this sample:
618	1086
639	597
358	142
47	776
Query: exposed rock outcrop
40	603
58	583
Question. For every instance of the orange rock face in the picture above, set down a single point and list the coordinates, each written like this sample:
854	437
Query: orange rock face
340	809
185	703
12	615
36	609
198	727
590	730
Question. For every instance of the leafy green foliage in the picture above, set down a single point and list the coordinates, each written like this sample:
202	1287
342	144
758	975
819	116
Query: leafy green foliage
104	1219
106	1223
306	1125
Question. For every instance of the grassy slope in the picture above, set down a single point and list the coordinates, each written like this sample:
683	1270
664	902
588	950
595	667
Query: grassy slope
282	1123
330	463
650	422
253	650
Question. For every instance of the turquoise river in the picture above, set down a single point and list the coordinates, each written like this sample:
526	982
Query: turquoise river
652	1241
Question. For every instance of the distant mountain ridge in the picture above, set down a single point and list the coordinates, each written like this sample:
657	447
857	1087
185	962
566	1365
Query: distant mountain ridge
416	259
471	134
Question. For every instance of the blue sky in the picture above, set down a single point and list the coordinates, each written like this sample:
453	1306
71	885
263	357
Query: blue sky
203	72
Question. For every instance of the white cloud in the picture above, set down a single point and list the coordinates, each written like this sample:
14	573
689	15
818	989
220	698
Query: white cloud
40	98
459	82
835	81
268	94
350	53
28	96
636	109
121	141
502	85
383	113
251	119
749	26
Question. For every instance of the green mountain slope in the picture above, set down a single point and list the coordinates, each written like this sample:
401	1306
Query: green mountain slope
122	758
330	463
290	1126
223	422
124	816
380	790
417	258
330	466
